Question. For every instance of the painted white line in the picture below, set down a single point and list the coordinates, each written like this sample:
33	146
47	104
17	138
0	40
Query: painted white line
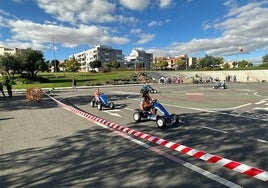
130	109
197	169
194	93
258	108
263	141
236	107
260	102
217	130
113	114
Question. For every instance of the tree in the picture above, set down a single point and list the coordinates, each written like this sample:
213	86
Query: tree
226	66
33	61
9	64
264	62
72	65
234	64
55	63
95	64
265	59
210	62
243	64
115	64
180	63
161	64
29	61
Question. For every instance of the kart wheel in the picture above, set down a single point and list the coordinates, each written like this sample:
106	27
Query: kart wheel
111	105
161	122
99	106
174	118
137	116
92	103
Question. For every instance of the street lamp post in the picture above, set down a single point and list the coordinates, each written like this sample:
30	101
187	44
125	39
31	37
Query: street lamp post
54	54
85	59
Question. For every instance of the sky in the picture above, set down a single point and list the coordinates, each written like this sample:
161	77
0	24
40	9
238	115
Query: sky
167	28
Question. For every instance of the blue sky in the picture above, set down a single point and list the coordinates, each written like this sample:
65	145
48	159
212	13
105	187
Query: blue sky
161	27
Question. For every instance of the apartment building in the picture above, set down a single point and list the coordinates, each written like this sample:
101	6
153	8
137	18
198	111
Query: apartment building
11	51
105	54
139	59
186	62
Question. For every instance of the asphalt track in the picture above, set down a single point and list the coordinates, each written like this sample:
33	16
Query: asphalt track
44	145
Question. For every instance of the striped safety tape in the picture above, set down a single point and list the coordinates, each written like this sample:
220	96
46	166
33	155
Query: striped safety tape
215	159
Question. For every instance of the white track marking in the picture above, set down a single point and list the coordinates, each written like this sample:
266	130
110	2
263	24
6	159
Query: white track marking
112	114
263	141
217	130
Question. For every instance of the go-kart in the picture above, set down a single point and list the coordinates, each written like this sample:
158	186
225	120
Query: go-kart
102	101
220	85
161	120
148	88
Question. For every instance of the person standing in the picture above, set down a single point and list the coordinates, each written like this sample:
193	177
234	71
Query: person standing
74	84
2	89
9	87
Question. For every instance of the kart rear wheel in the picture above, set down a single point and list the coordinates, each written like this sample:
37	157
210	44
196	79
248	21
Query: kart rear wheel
111	105
161	122
99	106
137	116
92	103
174	118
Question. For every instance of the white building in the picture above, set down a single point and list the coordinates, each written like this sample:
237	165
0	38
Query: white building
11	51
139	59
105	54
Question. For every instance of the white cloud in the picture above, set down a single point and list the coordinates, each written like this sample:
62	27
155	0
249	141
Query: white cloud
138	5
83	11
79	10
135	31
154	23
144	38
25	31
164	3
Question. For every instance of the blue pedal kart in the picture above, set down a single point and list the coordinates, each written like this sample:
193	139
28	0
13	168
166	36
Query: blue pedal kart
220	85
161	120
102	102
148	88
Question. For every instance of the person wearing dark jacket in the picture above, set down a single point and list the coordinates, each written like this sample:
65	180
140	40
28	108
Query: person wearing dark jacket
2	89
9	87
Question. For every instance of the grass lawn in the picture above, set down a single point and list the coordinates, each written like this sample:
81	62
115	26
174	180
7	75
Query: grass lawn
62	79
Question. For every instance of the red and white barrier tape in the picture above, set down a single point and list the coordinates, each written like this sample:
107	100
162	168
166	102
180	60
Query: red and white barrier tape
215	159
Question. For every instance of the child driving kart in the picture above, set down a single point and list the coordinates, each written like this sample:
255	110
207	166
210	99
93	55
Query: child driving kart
97	94
146	103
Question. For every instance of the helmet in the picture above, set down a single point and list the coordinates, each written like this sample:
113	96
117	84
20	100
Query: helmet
145	93
145	87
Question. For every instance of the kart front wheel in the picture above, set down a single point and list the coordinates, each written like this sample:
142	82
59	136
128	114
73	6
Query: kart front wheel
92	103
99	106
174	118
111	105
137	116
161	122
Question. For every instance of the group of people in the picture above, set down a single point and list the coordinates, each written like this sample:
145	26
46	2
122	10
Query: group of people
8	85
